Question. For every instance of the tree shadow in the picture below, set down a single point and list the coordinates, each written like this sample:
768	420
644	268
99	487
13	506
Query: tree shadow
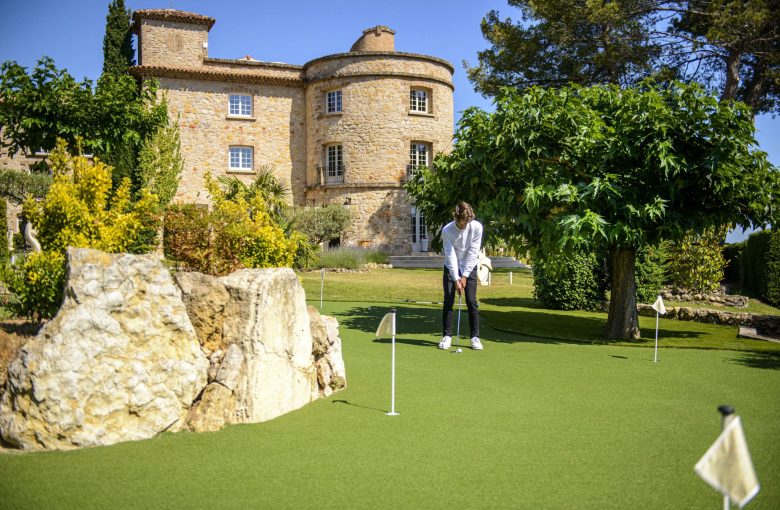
752	359
522	302
554	328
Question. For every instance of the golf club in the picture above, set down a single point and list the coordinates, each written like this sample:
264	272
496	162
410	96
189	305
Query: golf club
457	337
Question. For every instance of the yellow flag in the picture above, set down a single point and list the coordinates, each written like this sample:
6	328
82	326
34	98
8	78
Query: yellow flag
727	466
386	328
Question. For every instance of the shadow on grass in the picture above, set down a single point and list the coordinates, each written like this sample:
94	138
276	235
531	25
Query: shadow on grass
765	360
347	402
514	302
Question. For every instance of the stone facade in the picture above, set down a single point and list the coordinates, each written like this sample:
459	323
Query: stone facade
289	128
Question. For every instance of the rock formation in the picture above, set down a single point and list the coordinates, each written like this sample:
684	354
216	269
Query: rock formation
131	354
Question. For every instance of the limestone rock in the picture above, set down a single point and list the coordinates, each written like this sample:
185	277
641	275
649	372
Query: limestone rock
205	298
265	367
331	373
119	362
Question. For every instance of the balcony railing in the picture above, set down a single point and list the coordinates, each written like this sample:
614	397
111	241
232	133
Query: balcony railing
330	174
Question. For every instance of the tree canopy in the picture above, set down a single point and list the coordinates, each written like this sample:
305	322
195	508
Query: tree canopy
38	107
729	46
604	166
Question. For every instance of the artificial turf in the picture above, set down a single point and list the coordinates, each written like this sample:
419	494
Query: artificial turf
526	423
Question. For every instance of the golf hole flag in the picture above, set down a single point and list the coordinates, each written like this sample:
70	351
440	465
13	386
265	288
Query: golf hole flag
727	466
387	329
658	306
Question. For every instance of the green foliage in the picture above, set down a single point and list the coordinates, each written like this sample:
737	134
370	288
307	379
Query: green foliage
79	210
732	253
37	281
772	294
271	189
349	258
4	252
761	266
603	166
237	232
726	45
572	281
560	41
696	261
651	264
321	224
16	185
118	53
160	164
110	120
187	235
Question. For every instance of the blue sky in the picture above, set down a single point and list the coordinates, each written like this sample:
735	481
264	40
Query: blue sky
290	31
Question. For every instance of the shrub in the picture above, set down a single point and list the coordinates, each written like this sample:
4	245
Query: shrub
38	282
696	262
237	232
160	163
350	258
186	235
574	281
650	267
733	255
761	266
321	224
4	251
16	185
78	210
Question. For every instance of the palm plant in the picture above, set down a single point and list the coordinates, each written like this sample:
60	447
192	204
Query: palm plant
273	190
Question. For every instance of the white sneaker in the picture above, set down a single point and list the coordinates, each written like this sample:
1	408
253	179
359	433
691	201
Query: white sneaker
446	342
476	344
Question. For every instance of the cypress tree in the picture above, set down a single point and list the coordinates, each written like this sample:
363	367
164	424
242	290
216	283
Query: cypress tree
118	52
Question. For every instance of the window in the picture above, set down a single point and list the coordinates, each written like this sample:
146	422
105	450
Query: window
334	164
240	105
241	158
418	100
333	102
418	157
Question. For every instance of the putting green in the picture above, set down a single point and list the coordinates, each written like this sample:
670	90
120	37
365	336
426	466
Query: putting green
526	423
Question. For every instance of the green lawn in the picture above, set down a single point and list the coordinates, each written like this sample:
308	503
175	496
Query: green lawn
549	421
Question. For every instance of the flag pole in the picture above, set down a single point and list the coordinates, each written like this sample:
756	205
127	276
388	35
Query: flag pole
392	372
322	284
726	414
655	359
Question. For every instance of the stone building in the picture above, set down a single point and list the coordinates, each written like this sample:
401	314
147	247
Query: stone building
341	129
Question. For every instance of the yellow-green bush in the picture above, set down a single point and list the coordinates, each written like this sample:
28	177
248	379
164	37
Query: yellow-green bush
238	232
38	281
79	210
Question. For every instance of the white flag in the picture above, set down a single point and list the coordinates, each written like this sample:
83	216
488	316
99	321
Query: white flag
386	328
727	466
658	306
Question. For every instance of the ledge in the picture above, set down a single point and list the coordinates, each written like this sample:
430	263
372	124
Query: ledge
238	117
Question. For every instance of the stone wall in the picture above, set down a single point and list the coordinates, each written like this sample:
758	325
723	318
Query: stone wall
170	43
276	131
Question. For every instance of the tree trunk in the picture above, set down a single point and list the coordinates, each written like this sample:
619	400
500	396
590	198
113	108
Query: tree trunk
622	322
732	76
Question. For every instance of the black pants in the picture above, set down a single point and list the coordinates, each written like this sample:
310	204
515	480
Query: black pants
471	302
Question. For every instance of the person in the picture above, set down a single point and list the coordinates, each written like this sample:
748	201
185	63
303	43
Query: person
462	239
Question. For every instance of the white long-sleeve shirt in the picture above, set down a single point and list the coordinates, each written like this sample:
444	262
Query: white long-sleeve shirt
461	248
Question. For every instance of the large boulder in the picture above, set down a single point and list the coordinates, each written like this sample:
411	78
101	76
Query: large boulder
331	373
264	366
119	362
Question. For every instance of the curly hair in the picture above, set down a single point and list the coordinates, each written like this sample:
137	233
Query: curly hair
463	212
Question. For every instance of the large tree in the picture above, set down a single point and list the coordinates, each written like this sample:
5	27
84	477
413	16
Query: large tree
38	107
604	166
118	52
732	46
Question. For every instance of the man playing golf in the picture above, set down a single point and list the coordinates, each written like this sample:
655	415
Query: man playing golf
462	240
